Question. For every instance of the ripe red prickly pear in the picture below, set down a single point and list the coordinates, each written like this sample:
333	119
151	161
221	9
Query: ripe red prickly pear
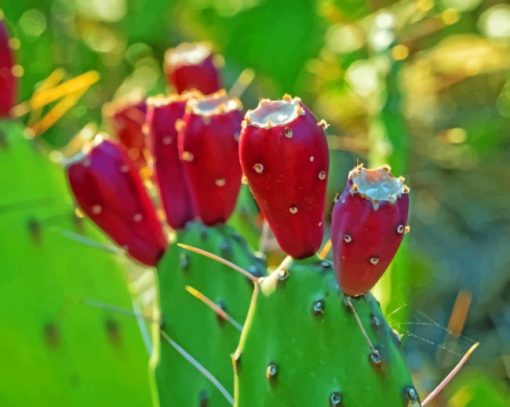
162	116
127	120
7	79
284	155
208	146
108	188
192	66
369	222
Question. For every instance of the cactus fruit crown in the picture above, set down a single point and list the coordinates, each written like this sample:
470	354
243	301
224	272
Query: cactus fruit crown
187	54
213	104
376	185
164	100
274	112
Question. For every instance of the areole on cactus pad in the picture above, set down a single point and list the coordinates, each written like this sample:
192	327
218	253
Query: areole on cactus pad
108	188
368	224
163	115
208	146
284	156
192	66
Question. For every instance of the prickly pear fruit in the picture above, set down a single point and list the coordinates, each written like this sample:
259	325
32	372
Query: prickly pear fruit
369	222
7	79
162	116
108	188
208	146
192	66
301	345
284	155
127	120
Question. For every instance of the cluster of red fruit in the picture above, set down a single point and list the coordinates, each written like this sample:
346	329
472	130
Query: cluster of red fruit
199	146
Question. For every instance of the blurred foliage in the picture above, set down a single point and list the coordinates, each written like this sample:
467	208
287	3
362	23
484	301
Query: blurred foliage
422	84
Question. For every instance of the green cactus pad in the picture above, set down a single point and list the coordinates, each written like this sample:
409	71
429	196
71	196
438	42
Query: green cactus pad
192	324
58	350
301	346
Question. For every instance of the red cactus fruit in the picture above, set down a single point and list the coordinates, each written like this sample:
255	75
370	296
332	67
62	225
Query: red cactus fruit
162	116
369	222
108	188
127	120
284	155
208	146
192	66
7	79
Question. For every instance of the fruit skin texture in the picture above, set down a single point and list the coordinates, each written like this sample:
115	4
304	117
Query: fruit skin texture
127	121
200	75
208	147
365	239
7	79
288	177
301	346
108	188
169	173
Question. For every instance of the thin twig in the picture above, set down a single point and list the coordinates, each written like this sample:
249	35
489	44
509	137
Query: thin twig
450	375
219	259
197	365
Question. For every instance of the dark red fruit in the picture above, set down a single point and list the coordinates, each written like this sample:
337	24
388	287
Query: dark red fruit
284	155
208	146
369	222
191	66
7	79
162	117
127	120
108	188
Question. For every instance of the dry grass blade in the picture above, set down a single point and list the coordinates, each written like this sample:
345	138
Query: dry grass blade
450	375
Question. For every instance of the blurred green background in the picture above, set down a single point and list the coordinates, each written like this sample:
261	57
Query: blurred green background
423	85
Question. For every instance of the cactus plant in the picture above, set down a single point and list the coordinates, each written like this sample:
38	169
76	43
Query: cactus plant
192	66
51	337
319	350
